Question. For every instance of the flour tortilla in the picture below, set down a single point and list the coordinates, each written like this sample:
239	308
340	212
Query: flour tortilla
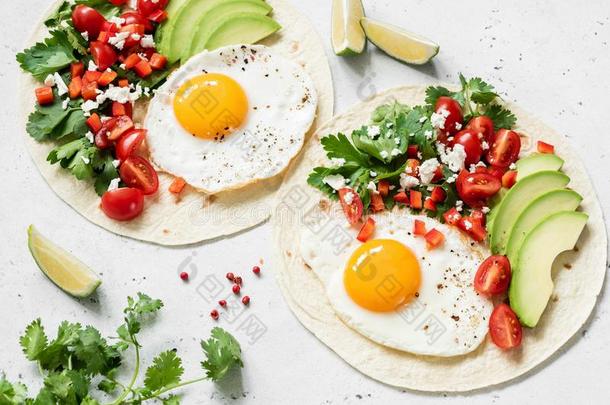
575	294
193	217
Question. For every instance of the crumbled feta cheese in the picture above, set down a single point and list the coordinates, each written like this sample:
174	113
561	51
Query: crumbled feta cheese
485	210
459	205
467	224
458	126
120	94
64	104
136	36
85	35
423	119
407	182
452	178
453	158
383	154
118	21
118	40
92	66
512	166
336	162
397	141
427	170
348	198
89	136
61	85
49	81
481	164
85	160
89	106
395	152
147	41
373	173
484	145
114	184
336	181
123	66
371	186
429	134
373	131
437	119
116	163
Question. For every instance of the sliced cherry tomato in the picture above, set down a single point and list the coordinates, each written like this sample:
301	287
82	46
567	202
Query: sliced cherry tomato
147	7
493	275
544	147
87	19
497	172
123	204
129	143
352	205
44	95
469	139
452	216
419	227
454	118
483	126
504	327
401	197
434	238
412	151
367	230
117	2
122	125
158	16
103	55
504	149
133	17
415	199
509	179
137	172
438	194
474	188
429	205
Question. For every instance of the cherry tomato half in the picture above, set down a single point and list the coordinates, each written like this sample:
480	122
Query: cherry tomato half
129	143
504	327
493	275
353	208
475	188
133	17
482	125
87	19
103	55
504	149
147	7
469	139
455	116
123	204
136	172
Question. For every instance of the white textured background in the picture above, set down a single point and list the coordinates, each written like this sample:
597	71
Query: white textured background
550	57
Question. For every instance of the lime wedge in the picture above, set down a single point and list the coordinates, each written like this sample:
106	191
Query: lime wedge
398	43
347	35
62	268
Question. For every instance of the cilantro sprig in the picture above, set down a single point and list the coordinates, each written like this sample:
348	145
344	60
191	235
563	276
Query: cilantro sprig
80	360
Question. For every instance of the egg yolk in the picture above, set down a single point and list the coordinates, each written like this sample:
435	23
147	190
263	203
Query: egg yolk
381	275
211	106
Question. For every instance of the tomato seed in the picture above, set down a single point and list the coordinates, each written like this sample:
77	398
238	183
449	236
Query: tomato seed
214	314
245	300
184	276
256	270
230	276
222	303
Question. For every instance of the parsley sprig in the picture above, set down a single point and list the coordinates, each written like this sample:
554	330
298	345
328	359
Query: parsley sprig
79	356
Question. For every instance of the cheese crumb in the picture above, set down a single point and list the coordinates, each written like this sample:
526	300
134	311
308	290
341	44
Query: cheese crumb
427	170
373	131
114	184
407	182
336	181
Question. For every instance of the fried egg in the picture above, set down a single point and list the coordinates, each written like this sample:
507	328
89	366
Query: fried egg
230	117
395	291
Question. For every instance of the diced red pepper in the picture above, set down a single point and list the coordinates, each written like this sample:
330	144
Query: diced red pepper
123	83
415	199
110	27
412	151
132	60
123	124
107	77
429	204
383	187
158	61
158	16
544	147
473	228
75	87
377	204
452	216
419	228
367	230
94	123
438	194
104	36
77	69
143	68
92	76
478	216
89	91
401	197
434	238
177	185
119	109
509	179
101	136
44	95
412	168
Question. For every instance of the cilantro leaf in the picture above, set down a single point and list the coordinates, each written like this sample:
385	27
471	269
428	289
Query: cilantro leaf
223	353
93	352
103	164
338	146
501	117
171	400
47	57
34	340
165	371
104	7
11	394
58	384
433	94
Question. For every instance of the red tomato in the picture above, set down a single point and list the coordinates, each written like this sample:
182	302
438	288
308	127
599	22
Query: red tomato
147	7
133	17
123	204
87	19
509	179
352	209
469	139
137	172
455	114
544	147
493	275
497	172
118	2
129	143
475	187
103	55
367	230
484	126
504	149
504	327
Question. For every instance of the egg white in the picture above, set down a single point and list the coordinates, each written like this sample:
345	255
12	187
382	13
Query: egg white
282	104
447	318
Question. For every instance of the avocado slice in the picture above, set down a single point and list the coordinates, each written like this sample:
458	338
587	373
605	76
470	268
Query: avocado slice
531	284
542	207
537	162
163	33
515	201
209	21
180	31
242	28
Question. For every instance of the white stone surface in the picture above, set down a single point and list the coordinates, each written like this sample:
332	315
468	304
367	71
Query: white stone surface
550	57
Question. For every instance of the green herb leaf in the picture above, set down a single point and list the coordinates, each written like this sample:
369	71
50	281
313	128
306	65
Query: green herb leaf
165	371
338	146
34	340
501	117
47	57
171	400
433	94
223	353
11	393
